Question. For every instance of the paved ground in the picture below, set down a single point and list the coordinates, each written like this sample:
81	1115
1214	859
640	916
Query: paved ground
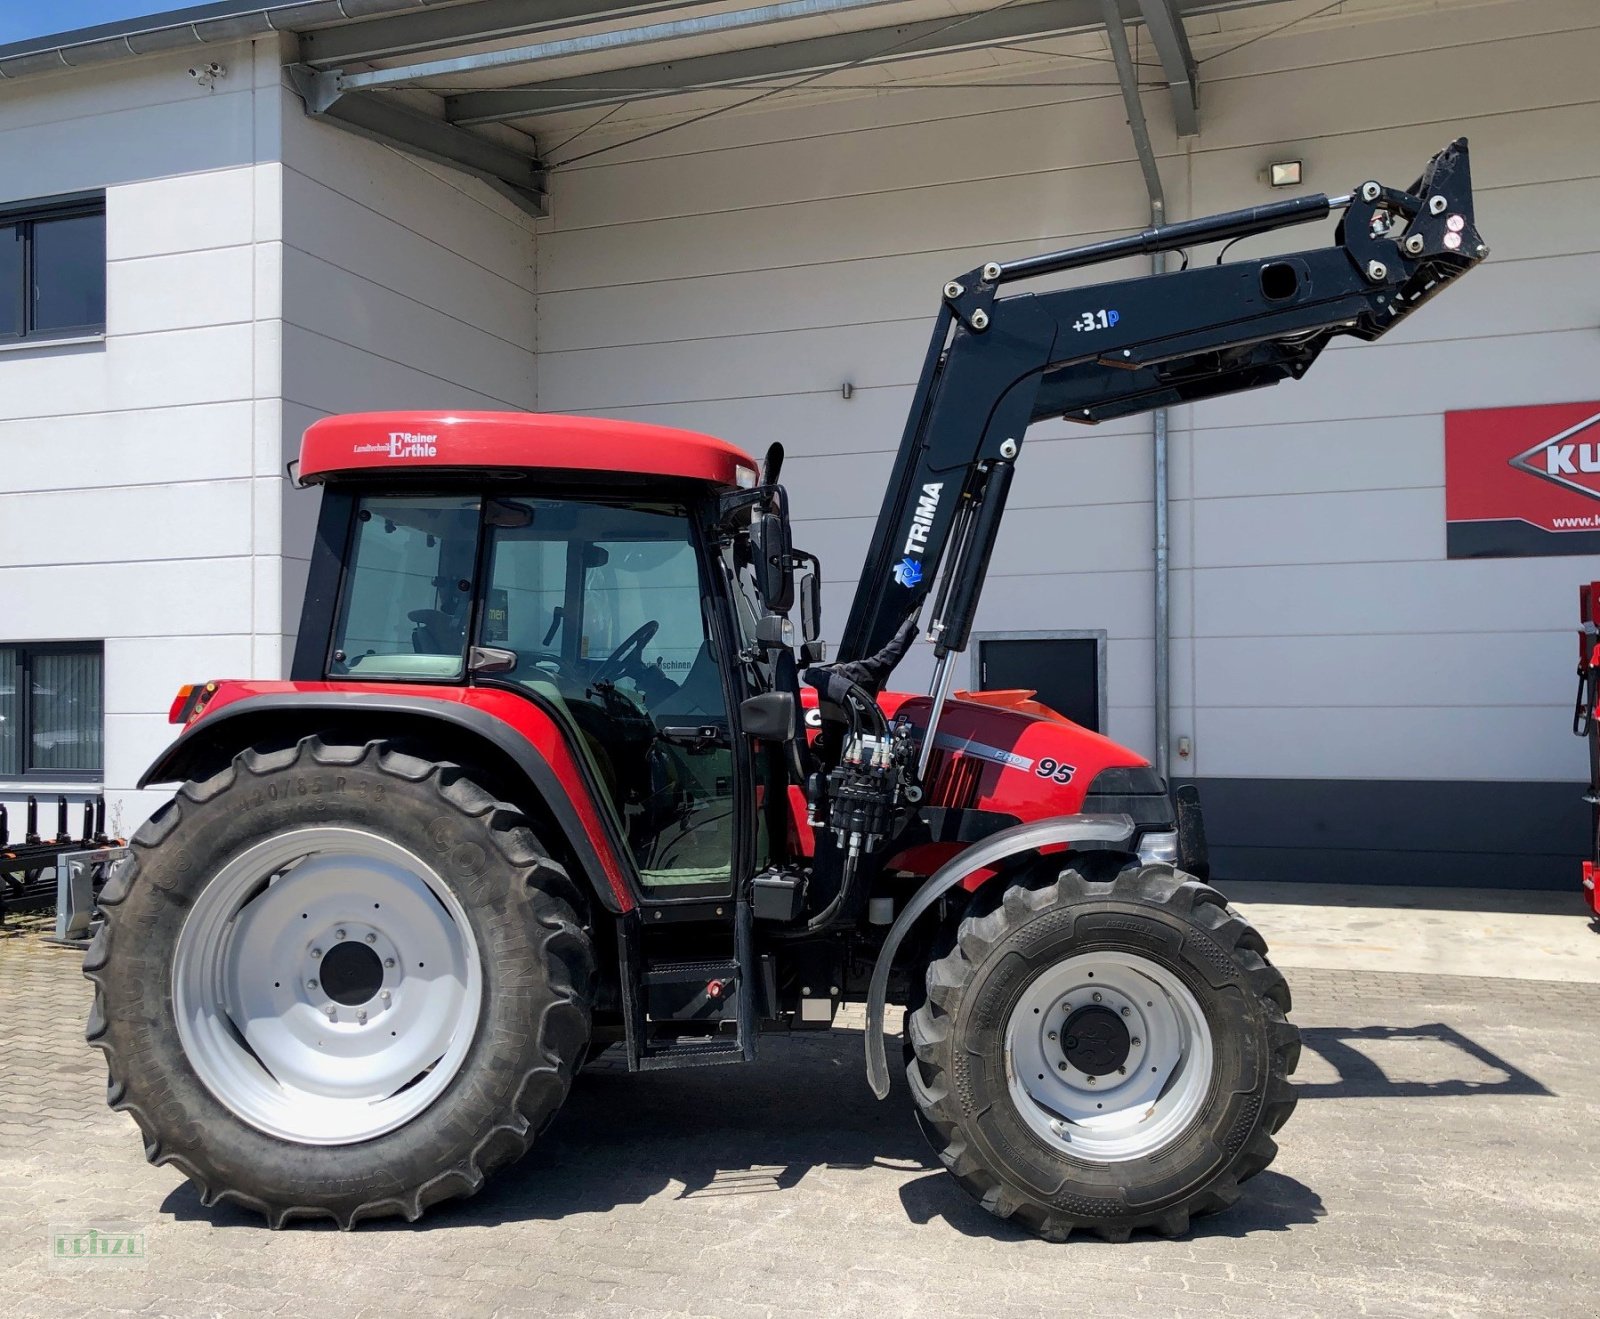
1533	935
1445	1160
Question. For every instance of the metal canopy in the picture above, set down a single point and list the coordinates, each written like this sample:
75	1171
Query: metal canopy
1177	61
444	79
879	45
420	30
1036	20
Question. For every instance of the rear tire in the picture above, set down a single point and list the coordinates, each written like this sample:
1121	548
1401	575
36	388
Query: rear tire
1159	1100
270	926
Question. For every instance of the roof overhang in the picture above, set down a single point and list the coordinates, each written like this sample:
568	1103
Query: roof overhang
477	83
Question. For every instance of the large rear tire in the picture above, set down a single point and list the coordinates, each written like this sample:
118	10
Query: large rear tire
339	981
1105	1054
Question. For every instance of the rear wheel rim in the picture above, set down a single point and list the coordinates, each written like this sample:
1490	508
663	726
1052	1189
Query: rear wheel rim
1108	1056
327	986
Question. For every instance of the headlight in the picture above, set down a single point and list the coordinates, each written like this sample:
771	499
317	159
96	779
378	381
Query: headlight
1159	846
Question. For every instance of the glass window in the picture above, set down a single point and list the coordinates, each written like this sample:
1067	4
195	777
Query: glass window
69	273
604	608
11	299
52	711
52	270
408	591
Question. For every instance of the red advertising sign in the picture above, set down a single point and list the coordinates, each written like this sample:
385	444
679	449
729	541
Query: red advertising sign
1521	481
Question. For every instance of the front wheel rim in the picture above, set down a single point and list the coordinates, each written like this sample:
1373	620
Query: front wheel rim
327	986
1108	1056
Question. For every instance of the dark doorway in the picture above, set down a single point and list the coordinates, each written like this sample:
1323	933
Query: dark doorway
1065	671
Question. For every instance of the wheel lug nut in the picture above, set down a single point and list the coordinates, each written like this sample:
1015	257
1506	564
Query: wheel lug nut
361	1018
338	934
384	996
333	1012
1096	996
388	963
1137	1041
1122	1071
1093	1079
311	984
372	938
1052	1035
315	954
1061	1066
1127	1011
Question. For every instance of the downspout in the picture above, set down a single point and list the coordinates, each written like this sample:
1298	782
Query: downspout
1127	77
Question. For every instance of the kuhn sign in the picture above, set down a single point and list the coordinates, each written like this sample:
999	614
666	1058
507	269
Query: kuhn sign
1523	481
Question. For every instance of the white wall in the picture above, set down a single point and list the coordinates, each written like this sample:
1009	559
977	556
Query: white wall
263	270
733	274
406	285
137	474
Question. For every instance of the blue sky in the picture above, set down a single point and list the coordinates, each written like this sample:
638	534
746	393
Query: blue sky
22	19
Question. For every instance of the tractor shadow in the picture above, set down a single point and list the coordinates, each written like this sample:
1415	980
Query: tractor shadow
727	1133
1432	1061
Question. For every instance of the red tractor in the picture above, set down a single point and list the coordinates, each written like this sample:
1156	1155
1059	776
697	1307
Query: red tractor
555	773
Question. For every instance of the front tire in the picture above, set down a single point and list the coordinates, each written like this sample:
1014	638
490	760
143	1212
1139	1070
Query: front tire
1107	1054
339	981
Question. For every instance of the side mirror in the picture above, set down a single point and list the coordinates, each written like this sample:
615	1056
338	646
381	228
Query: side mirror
769	716
774	563
810	590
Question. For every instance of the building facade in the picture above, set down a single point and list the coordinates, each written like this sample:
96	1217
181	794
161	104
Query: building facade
1354	704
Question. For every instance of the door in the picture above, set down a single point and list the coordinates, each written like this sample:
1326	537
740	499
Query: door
1063	670
604	606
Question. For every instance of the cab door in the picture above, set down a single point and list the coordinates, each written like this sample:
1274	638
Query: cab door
608	607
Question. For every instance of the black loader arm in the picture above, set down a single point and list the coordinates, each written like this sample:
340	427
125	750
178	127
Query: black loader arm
1000	361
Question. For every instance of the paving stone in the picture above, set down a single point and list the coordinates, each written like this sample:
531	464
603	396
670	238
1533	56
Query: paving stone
1444	1160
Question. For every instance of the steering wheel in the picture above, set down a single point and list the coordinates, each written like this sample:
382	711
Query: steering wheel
627	654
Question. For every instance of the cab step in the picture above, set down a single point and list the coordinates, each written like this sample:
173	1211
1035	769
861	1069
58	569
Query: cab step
689	1013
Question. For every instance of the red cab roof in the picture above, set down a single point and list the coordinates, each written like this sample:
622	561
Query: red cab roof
373	442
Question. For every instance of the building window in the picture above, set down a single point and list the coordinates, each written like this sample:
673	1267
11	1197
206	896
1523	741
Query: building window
52	711
53	270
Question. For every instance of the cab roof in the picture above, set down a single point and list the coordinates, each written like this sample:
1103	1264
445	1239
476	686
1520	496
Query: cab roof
375	443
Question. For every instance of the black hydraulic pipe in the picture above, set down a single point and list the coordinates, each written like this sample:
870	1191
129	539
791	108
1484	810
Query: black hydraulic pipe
62	834
32	836
100	818
5	826
969	571
1170	237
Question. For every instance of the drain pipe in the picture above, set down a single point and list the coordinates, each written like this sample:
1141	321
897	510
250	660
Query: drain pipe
1127	78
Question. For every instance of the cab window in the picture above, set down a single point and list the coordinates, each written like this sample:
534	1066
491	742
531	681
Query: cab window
407	597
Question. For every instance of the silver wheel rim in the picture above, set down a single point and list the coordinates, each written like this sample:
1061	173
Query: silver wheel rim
1126	1111
326	985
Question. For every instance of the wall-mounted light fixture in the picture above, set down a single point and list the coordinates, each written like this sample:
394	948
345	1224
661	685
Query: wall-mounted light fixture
1285	173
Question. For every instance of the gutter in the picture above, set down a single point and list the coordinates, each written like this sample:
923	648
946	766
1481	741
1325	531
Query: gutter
185	29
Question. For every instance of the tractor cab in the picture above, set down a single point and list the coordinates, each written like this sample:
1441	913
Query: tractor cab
580	564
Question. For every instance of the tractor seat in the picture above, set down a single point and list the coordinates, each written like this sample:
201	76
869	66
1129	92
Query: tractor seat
699	695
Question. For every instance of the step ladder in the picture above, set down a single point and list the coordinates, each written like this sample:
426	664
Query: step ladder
661	996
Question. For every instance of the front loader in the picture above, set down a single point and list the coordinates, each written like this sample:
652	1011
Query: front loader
556	771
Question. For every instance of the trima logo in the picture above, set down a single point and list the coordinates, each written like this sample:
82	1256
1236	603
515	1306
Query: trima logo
908	572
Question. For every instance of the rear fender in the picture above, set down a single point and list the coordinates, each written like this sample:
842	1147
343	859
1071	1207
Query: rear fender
550	776
1100	832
